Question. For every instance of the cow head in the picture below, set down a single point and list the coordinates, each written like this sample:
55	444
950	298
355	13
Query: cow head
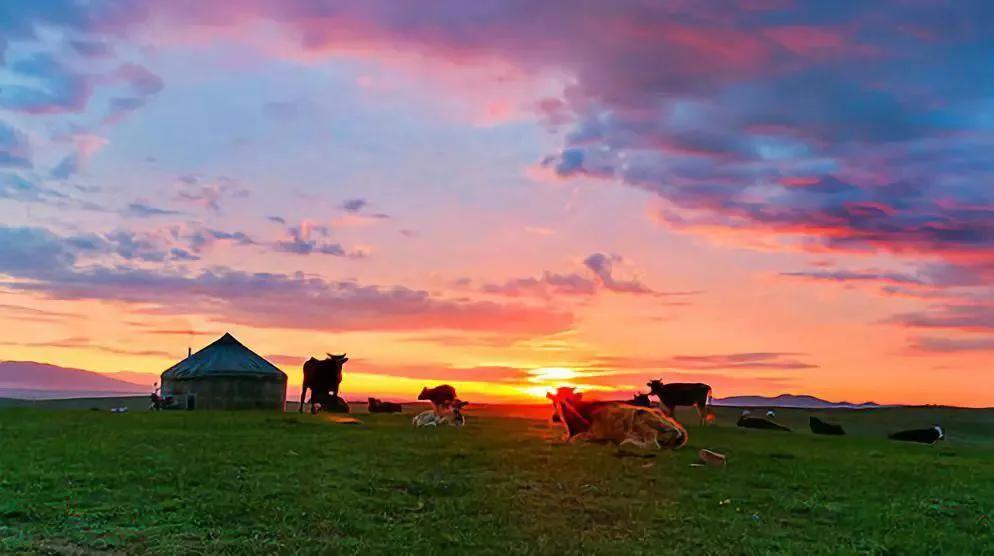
654	384
337	359
568	404
564	394
424	394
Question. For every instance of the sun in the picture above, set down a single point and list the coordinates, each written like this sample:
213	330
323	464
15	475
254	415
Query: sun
547	374
547	379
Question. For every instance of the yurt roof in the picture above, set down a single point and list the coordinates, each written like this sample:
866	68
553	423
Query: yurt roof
226	357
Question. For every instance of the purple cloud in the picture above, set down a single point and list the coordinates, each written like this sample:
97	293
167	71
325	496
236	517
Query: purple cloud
940	345
45	263
15	151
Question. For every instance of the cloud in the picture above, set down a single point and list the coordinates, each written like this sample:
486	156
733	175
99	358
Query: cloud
856	276
547	285
55	89
143	210
15	187
92	48
81	342
287	110
601	268
354	205
762	360
967	317
15	150
86	145
307	239
46	264
209	194
940	345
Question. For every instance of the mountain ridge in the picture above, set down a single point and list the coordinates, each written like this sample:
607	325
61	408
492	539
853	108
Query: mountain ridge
803	401
32	380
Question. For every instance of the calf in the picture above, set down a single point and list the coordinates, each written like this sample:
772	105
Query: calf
441	397
747	422
428	418
923	436
432	418
682	393
377	406
821	427
620	423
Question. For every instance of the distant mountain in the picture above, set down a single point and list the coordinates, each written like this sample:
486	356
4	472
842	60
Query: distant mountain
789	400
30	380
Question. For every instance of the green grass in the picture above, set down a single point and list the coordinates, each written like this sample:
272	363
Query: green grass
82	482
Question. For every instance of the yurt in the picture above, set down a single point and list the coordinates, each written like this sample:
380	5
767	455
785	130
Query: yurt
225	375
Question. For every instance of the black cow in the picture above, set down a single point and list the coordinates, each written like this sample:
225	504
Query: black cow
923	436
747	422
323	377
821	427
441	397
641	400
377	406
682	393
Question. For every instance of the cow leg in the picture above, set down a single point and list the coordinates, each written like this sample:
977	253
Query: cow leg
700	414
671	411
303	396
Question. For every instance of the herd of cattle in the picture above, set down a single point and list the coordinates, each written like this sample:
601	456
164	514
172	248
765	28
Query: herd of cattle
637	422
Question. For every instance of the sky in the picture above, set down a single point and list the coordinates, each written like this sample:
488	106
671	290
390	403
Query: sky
769	196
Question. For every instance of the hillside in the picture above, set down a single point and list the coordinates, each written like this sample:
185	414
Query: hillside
788	400
31	380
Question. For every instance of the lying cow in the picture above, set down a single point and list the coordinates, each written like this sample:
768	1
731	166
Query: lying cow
682	393
821	427
441	397
328	402
377	406
616	422
641	400
923	436
747	422
432	418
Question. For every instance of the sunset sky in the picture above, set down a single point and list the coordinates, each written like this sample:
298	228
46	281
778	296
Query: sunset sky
766	195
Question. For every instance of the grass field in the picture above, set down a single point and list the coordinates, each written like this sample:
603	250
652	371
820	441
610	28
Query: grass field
80	482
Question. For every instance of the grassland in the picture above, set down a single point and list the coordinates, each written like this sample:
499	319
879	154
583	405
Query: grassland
79	481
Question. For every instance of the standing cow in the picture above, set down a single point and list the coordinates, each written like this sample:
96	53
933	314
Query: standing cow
441	397
323	377
682	393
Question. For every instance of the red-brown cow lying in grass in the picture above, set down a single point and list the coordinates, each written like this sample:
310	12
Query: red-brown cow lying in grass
620	423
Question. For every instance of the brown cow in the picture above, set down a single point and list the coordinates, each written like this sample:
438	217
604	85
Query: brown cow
323	377
620	423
